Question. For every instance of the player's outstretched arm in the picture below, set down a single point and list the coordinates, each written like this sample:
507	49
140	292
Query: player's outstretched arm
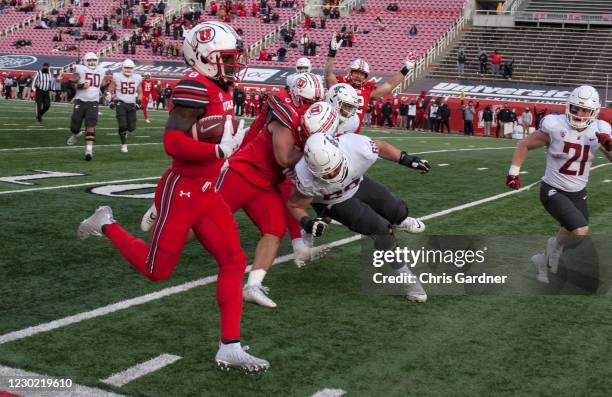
297	204
534	141
285	152
388	86
330	77
389	152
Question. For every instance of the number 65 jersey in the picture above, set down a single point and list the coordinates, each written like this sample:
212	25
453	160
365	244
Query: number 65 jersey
94	78
570	153
360	152
126	88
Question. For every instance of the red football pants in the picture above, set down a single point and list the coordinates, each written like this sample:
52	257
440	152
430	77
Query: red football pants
265	208
145	106
294	228
182	205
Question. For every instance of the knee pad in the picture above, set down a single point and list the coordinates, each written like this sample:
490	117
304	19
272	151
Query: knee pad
90	136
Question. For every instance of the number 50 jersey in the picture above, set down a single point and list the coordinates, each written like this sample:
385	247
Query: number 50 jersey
570	153
126	88
94	78
360	152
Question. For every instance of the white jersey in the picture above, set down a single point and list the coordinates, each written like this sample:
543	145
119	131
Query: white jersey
360	151
126	88
291	78
349	126
570	153
94	78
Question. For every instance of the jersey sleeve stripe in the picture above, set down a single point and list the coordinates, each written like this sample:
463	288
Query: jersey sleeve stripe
280	112
191	83
191	103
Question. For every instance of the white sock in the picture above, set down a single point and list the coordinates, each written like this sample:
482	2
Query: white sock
89	148
256	277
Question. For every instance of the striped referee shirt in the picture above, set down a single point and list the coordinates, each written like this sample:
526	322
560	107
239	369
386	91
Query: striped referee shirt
44	81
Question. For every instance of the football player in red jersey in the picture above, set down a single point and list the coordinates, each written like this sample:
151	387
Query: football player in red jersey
251	180
357	77
185	194
147	88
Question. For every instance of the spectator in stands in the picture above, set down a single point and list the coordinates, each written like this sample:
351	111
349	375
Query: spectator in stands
312	47
58	36
304	43
445	114
468	118
392	7
379	23
508	69
307	21
322	22
434	116
461	58
126	47
266	18
335	13
413	31
2	10
483	59
275	17
496	60
487	119
362	9
22	43
263	55
526	120
281	53
133	48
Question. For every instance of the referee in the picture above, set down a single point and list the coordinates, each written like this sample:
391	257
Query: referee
43	83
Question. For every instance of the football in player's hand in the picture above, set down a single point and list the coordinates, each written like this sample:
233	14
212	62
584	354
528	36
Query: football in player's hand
209	129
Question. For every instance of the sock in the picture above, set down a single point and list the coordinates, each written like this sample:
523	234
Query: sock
256	277
89	148
296	241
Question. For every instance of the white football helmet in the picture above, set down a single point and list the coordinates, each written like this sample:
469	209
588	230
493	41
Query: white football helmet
147	75
128	67
306	89
321	117
345	99
584	97
325	159
215	50
358	65
90	60
303	65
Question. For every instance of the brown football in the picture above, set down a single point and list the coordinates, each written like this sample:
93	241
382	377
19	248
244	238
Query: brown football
209	129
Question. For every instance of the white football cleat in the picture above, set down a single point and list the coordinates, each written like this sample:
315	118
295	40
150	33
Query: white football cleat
553	254
539	260
147	121
124	149
414	291
302	253
148	219
412	225
92	226
233	355
73	138
258	294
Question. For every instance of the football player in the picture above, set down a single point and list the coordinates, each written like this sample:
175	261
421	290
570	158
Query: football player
572	140
331	177
186	194
127	98
357	76
302	65
88	79
346	101
147	91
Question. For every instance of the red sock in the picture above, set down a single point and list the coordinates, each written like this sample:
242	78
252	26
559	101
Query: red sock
144	110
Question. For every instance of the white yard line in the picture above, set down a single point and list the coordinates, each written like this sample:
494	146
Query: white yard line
36	189
116	145
75	391
139	370
329	393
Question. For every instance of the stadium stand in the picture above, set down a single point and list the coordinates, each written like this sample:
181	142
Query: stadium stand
569	6
15	17
432	19
547	55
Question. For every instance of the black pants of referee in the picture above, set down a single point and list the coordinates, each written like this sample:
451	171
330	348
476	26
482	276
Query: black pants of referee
43	102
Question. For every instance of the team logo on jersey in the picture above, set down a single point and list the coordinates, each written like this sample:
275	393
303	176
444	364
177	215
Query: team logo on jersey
205	35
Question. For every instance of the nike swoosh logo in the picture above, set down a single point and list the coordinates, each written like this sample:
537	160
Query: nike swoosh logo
209	128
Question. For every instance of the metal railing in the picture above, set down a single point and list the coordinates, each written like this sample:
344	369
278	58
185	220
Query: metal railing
553	17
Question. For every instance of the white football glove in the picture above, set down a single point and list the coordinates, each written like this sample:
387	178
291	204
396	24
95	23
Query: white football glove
410	60
230	142
335	44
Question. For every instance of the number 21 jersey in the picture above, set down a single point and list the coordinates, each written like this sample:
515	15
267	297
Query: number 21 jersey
570	153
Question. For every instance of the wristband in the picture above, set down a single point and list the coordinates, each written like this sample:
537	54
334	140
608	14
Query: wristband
331	53
514	170
304	223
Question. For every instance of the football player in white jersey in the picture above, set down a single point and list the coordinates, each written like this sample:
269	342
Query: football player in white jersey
571	140
330	176
88	78
127	97
302	65
344	97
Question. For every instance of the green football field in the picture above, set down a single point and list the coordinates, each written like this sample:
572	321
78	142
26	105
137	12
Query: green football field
74	309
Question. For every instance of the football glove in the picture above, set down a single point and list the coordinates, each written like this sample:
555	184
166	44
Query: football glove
414	162
112	105
605	140
230	142
138	104
315	226
513	181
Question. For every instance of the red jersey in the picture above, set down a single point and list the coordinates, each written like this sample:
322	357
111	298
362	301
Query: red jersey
363	94
146	86
191	157
256	161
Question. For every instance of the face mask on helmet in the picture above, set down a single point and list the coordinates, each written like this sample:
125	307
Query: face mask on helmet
345	99
582	107
303	65
91	60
